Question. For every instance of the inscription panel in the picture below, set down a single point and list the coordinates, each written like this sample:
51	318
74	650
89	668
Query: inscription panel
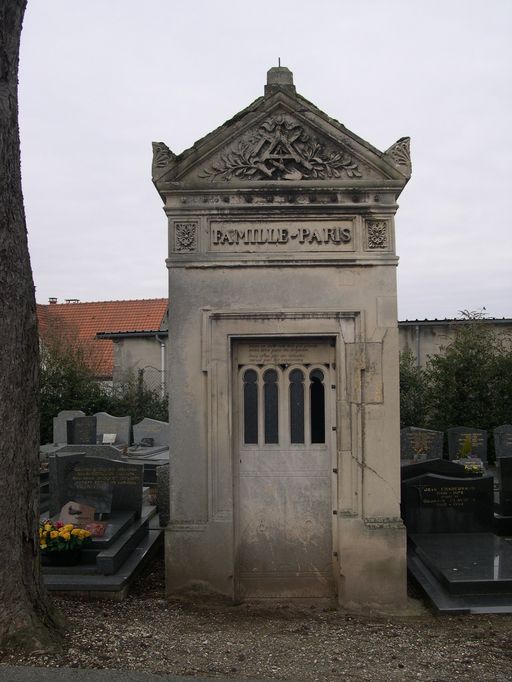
281	235
276	353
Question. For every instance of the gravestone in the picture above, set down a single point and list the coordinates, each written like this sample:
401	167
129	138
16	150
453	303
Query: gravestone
151	428
503	441
504	466
81	431
442	467
108	485
98	450
419	445
462	437
60	431
439	504
121	426
162	493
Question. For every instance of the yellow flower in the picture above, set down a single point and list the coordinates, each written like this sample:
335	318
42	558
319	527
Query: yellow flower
44	545
85	533
68	527
48	526
76	531
54	534
66	536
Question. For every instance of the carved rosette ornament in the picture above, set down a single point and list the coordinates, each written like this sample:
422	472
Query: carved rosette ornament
377	234
185	237
281	150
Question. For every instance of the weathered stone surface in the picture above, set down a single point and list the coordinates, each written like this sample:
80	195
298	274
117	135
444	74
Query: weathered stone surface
121	426
81	431
60	431
282	263
151	428
162	493
503	440
418	444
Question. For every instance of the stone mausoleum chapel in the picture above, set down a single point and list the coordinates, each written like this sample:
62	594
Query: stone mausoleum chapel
283	358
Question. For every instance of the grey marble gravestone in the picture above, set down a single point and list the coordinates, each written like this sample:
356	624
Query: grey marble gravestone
441	504
121	426
503	440
458	436
162	493
419	445
151	428
81	431
84	478
60	432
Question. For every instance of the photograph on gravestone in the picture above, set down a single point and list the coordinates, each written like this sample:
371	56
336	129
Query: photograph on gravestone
503	440
106	484
60	431
466	441
437	504
78	513
81	431
107	424
418	444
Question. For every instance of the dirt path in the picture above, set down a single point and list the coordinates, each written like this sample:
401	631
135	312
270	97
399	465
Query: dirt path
147	632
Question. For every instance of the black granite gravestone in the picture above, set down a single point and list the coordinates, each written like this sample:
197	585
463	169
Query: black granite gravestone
442	467
464	441
97	481
418	445
439	504
503	440
504	466
81	431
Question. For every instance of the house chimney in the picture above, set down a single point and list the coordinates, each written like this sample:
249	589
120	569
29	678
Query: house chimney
52	300
72	300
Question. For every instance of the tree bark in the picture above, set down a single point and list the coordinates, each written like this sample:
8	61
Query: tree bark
27	618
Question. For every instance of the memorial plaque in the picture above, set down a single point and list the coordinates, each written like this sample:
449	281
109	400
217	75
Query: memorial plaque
465	441
60	431
503	440
284	352
504	466
107	424
82	431
418	445
438	504
107	485
151	428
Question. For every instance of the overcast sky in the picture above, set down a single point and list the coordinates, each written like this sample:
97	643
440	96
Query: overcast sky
101	79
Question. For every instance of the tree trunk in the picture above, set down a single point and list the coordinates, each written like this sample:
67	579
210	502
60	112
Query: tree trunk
27	618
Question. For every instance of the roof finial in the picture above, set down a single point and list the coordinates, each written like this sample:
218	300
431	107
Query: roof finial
279	78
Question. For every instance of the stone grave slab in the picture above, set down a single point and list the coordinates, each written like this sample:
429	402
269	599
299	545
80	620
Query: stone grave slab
151	429
459	436
95	481
439	504
81	431
504	468
417	445
60	432
503	441
108	451
121	426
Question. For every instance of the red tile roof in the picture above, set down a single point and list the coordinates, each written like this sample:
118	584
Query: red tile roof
80	322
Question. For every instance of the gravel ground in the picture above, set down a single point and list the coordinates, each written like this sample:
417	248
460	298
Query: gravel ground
149	633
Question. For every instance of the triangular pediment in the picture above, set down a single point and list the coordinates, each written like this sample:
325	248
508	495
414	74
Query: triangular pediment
281	138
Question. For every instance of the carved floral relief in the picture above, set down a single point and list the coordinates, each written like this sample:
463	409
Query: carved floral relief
282	150
377	234
185	237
